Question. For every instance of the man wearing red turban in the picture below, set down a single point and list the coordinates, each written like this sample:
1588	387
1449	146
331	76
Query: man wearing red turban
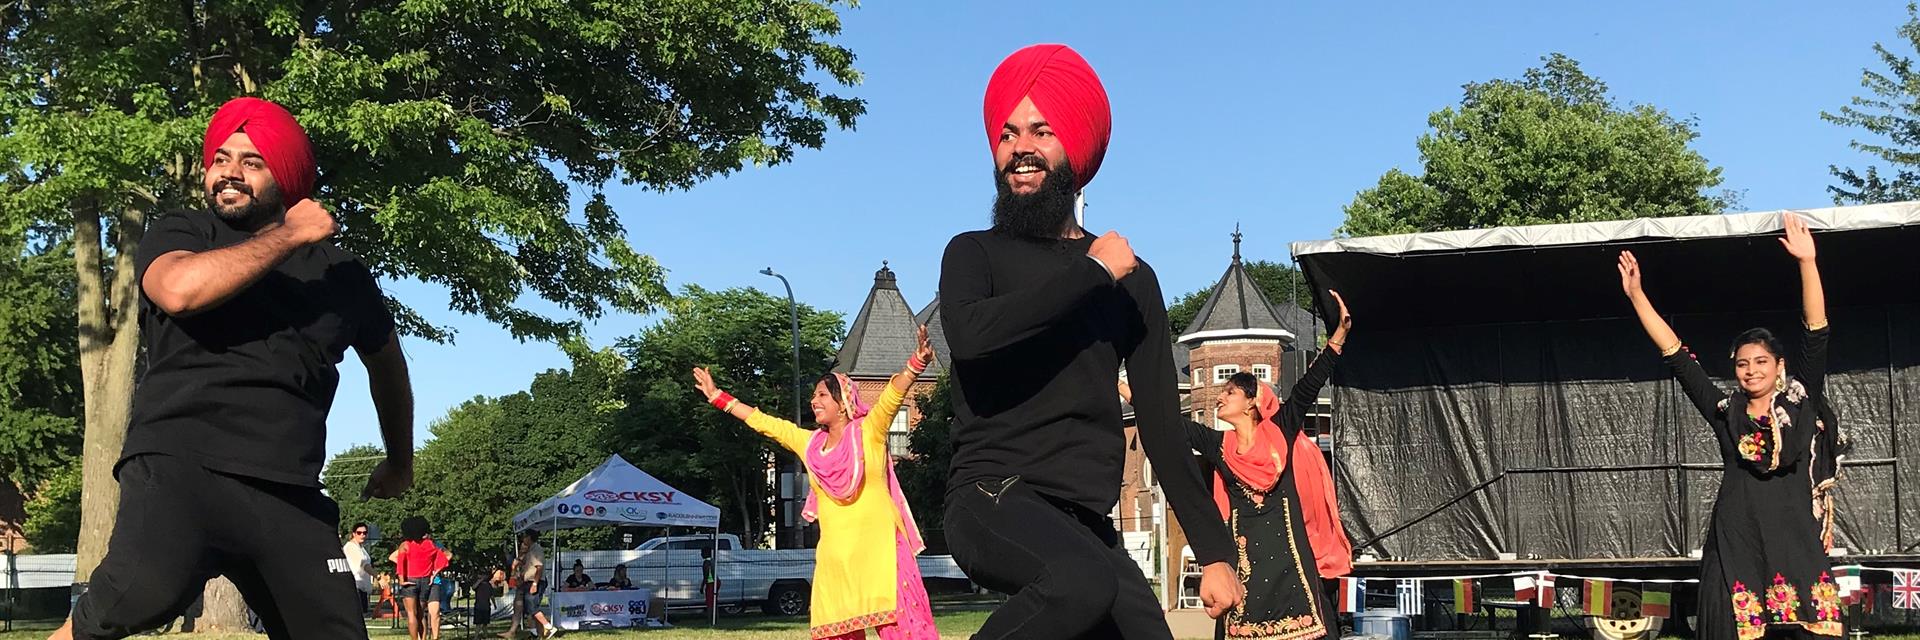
246	310
1039	316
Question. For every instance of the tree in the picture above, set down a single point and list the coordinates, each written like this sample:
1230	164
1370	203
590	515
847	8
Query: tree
923	472
490	458
1549	147
53	513
39	366
448	139
743	335
1890	114
1278	282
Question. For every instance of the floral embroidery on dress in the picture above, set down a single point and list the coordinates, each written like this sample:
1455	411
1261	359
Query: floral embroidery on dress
1826	599
1300	627
1746	613
1783	600
1751	446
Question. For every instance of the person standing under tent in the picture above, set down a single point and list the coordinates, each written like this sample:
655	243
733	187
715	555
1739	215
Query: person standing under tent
856	499
1763	567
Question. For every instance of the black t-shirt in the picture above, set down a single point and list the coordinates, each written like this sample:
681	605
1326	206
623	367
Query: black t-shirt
245	387
579	581
1038	333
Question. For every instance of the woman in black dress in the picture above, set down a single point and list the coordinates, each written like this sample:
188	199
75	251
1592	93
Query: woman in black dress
1764	570
1254	488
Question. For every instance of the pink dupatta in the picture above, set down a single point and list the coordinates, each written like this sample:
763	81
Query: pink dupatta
841	471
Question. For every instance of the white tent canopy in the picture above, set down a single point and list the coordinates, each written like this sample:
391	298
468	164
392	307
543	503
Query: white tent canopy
618	493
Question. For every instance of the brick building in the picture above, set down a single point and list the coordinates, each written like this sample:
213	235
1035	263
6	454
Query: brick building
882	337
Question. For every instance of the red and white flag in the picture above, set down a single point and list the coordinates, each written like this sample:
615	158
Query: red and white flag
1353	595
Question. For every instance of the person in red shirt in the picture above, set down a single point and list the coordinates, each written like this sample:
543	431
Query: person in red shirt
417	561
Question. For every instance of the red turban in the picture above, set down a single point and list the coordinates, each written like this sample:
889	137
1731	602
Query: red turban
1065	89
274	132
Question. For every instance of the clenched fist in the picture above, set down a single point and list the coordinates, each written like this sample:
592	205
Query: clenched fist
1113	251
309	222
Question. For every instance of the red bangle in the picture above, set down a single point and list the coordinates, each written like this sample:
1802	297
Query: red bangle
916	365
721	401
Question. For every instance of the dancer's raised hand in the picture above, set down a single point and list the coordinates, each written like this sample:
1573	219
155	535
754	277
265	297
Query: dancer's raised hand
1798	241
703	382
1630	275
924	352
1339	337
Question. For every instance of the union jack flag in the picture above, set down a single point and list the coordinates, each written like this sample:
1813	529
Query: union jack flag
1906	589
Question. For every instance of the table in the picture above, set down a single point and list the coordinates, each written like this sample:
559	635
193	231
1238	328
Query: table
575	610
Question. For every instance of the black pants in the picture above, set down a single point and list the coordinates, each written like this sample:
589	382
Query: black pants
180	525
1060	563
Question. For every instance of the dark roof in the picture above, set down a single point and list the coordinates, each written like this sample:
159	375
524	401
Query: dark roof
1236	306
883	334
937	334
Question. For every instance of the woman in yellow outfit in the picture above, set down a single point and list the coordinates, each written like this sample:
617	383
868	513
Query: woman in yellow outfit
857	501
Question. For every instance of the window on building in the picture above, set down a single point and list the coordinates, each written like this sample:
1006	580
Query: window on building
1263	372
1223	372
897	433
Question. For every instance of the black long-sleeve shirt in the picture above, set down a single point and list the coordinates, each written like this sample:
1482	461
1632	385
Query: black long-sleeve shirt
1037	333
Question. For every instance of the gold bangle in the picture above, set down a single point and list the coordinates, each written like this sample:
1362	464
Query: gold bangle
1673	349
1336	345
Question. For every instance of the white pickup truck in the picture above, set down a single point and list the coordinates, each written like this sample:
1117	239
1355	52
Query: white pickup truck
780	581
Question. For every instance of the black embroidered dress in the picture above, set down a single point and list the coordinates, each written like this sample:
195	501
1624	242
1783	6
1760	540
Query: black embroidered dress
1764	568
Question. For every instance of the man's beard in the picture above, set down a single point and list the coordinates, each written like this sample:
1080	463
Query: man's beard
1044	213
261	206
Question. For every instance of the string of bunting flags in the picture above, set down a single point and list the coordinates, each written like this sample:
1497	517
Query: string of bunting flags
1596	593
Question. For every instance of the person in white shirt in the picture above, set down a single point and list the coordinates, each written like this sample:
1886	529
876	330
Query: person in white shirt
361	562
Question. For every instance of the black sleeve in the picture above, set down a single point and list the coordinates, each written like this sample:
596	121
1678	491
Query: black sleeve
171	232
979	323
1306	393
1156	406
376	320
1201	438
1812	367
1694	382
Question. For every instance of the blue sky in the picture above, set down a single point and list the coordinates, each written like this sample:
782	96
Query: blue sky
1269	115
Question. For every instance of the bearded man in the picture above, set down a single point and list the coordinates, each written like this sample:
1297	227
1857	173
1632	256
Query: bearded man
1039	317
246	309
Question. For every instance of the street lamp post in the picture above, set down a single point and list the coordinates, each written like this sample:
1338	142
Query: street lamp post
788	533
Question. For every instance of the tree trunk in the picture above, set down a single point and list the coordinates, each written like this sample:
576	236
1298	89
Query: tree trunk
109	327
222	609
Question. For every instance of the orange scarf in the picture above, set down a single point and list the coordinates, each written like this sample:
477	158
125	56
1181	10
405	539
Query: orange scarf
1261	465
1332	552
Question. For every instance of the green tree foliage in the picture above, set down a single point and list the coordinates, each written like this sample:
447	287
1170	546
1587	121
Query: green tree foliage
39	365
491	458
1891	114
923	473
1278	282
451	138
53	514
744	337
1548	147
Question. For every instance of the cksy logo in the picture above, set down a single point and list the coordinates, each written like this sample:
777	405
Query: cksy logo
650	497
